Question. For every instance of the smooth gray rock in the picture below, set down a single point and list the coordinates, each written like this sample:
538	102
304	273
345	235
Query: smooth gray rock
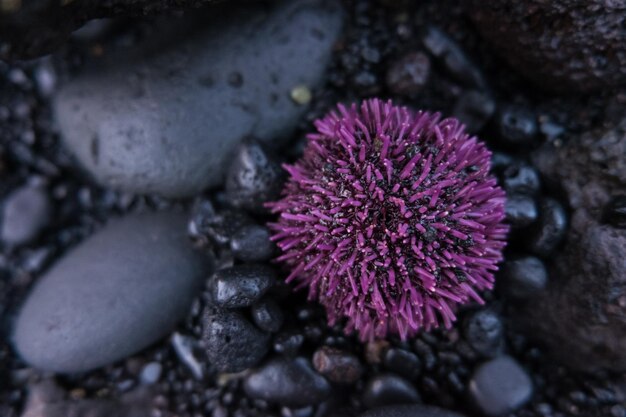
116	293
25	212
168	120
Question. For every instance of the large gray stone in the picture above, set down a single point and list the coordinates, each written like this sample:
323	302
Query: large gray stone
168	120
116	293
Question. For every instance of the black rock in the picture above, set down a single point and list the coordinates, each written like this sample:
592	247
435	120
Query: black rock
452	58
232	343
119	291
267	315
289	382
241	285
389	389
408	75
252	244
501	160
521	210
550	229
500	386
523	278
521	178
615	212
474	109
403	363
414	410
25	212
253	178
484	331
337	366
288	343
220	228
516	125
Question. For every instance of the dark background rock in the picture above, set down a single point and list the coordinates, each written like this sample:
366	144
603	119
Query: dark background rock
416	410
564	45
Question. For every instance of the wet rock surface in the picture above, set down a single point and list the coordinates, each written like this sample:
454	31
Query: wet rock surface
125	123
77	316
561	45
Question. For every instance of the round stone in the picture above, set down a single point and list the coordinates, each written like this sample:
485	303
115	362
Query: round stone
25	212
389	389
241	285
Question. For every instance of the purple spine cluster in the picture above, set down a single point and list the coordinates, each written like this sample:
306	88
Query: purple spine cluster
391	219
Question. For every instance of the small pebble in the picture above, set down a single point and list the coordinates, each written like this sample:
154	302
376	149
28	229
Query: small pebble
408	75
25	212
484	331
550	229
403	363
474	109
220	228
615	212
232	343
520	210
516	125
267	315
301	95
288	343
252	244
523	278
241	285
500	386
151	373
521	178
183	347
389	389
289	382
337	366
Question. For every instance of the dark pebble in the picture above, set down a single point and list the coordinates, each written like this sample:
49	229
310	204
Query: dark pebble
241	285
550	229
289	382
25	212
232	343
389	389
288	343
520	178
500	160
615	212
413	410
523	278
521	210
221	228
267	315
403	363
474	109
408	75
517	126
336	365
484	331
252	244
451	56
253	178
500	386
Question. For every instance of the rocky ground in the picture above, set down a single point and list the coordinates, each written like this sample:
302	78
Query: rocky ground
129	319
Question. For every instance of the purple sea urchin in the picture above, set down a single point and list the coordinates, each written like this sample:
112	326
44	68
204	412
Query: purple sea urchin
391	218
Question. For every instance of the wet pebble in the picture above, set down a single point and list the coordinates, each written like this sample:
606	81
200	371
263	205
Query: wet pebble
484	331
523	278
408	75
290	382
221	227
412	410
521	178
78	316
241	285
288	343
403	363
151	373
389	389
500	386
252	244
521	210
267	315
550	229
232	343
25	212
474	109
254	178
517	126
337	366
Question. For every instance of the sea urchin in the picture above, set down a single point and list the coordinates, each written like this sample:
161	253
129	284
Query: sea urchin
391	219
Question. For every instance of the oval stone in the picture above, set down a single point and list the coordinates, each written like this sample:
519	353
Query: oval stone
116	293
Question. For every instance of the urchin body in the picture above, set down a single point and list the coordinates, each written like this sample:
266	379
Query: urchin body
391	218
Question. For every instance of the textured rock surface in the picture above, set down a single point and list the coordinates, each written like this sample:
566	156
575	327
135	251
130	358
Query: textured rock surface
564	45
116	293
167	118
582	316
